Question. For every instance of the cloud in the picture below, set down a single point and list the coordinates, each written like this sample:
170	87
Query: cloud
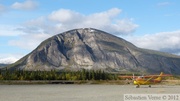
7	30
10	58
65	19
39	29
163	4
65	16
25	41
163	41
2	9
29	41
39	25
27	5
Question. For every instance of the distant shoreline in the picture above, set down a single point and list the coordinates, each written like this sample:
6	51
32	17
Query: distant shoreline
103	82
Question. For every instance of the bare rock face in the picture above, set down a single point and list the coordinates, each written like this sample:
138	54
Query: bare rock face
94	49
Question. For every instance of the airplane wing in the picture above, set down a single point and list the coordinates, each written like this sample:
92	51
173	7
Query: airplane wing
148	79
147	76
128	77
164	75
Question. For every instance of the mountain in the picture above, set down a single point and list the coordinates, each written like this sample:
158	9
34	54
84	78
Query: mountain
95	49
3	65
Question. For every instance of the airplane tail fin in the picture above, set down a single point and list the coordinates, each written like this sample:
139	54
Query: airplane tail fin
159	78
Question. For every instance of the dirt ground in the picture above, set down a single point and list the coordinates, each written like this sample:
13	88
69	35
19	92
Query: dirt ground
78	92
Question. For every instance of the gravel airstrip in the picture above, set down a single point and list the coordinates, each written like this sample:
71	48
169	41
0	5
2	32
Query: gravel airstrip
62	92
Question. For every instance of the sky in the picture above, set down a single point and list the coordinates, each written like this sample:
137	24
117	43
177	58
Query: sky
150	24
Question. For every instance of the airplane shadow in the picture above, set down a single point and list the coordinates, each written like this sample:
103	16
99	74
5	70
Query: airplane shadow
159	86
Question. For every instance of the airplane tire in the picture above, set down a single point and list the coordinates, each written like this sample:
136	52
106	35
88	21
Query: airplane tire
137	86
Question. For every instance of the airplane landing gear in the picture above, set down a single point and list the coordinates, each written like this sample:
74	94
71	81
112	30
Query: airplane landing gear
137	86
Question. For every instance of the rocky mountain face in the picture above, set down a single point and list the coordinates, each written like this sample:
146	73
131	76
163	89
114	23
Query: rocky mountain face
94	49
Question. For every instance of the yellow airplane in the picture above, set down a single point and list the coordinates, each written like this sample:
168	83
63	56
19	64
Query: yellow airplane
146	80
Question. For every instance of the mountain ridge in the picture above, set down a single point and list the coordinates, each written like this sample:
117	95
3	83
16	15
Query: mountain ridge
91	48
3	65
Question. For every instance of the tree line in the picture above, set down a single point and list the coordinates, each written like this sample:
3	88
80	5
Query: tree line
57	75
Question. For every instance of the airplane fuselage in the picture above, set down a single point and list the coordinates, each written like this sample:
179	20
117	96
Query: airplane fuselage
140	81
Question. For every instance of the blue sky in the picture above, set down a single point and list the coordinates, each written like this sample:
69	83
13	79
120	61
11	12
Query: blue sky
151	24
